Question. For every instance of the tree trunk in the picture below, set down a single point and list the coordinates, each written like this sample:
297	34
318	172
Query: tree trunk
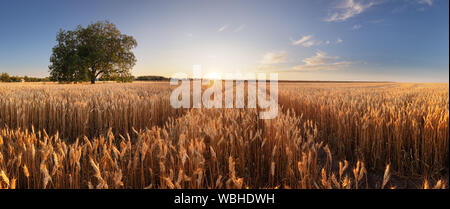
94	75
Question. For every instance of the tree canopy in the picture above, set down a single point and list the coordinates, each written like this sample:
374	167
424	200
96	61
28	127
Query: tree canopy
99	50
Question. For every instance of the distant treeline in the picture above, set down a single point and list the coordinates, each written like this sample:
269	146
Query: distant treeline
5	77
133	78
151	78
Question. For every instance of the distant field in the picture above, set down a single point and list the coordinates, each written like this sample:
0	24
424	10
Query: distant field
327	135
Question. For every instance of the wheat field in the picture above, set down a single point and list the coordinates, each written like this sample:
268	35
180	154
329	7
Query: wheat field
127	136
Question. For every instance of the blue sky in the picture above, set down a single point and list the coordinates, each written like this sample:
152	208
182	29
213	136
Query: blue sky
389	40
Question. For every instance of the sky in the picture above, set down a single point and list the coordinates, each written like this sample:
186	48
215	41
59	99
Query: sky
370	40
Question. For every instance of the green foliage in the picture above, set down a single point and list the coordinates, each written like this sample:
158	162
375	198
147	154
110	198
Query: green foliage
119	77
4	77
84	54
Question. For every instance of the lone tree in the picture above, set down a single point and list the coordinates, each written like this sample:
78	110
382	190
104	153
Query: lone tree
84	54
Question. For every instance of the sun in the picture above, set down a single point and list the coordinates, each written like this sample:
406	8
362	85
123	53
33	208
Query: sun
213	76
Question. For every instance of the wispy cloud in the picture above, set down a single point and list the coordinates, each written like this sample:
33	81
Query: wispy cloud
339	41
356	27
429	2
272	58
309	41
422	4
302	40
241	27
306	41
348	9
321	62
223	28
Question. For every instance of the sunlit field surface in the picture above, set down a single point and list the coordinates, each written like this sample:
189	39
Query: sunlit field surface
326	135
